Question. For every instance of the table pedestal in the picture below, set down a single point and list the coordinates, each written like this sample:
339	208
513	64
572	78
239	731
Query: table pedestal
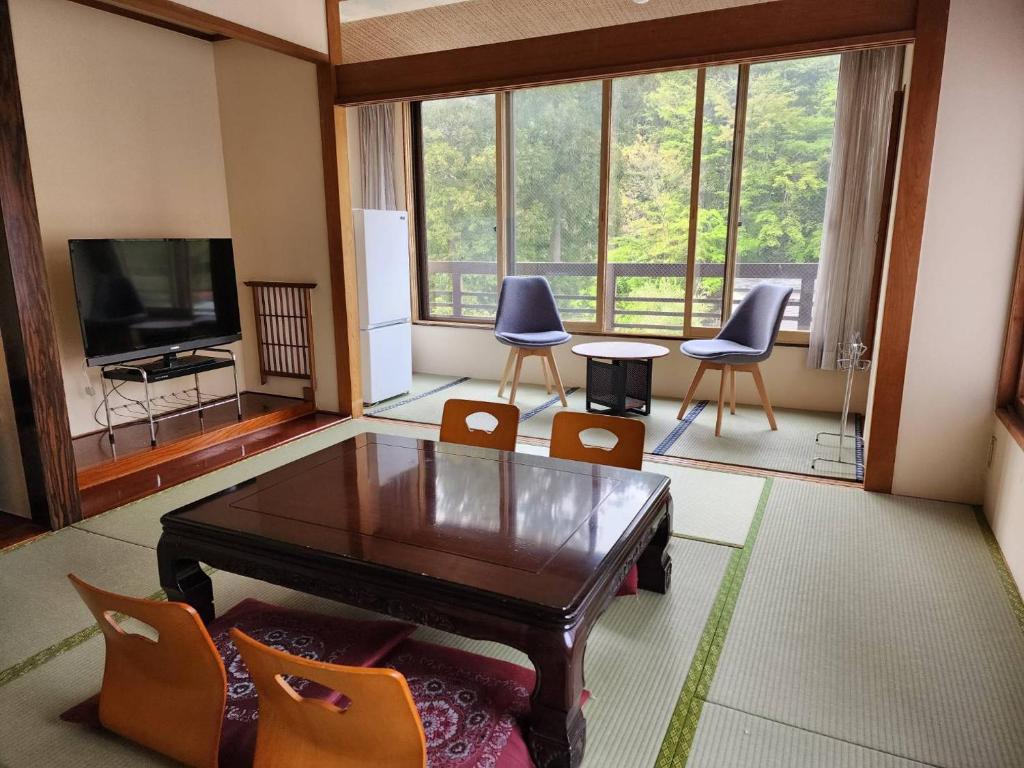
619	387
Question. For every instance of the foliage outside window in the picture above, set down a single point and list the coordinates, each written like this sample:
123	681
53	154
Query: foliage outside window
677	238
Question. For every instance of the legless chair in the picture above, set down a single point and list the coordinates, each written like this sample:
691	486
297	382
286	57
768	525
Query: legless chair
165	694
628	453
527	320
378	726
746	340
566	443
455	427
172	695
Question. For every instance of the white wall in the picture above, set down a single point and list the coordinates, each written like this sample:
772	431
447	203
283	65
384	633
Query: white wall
1004	498
968	255
299	21
475	352
124	137
270	117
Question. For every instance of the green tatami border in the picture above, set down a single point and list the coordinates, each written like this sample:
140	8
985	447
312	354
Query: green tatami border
1005	576
682	728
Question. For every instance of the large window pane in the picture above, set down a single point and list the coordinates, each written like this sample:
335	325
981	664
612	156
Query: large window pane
791	112
460	207
718	133
556	143
649	201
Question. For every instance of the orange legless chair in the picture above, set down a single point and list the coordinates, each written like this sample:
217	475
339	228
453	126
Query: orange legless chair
379	726
566	441
166	694
454	428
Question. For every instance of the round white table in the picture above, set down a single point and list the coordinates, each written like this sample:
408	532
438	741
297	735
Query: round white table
619	375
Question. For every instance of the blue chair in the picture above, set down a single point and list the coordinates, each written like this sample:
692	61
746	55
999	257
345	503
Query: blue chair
746	339
528	321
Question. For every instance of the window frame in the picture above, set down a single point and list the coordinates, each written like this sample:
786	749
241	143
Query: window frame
505	224
1010	394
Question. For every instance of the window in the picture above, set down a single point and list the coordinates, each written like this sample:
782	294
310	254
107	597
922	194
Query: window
459	209
652	203
556	180
787	147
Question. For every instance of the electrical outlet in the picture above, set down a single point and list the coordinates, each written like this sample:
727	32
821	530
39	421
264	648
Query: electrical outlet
991	450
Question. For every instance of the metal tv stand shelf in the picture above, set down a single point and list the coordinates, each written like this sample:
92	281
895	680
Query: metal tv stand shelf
164	369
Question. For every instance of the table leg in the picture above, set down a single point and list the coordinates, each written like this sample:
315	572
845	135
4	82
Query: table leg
557	728
655	564
184	580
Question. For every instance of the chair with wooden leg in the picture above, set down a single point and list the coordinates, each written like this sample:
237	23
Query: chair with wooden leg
528	322
746	340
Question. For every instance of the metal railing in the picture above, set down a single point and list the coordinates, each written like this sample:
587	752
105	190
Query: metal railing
628	308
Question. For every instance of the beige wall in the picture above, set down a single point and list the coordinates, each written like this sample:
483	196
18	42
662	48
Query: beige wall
968	255
475	352
272	153
124	137
1004	498
299	21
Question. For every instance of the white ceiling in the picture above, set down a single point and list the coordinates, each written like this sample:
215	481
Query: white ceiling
354	10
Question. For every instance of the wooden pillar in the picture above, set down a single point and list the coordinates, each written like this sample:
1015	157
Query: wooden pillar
893	339
26	320
340	236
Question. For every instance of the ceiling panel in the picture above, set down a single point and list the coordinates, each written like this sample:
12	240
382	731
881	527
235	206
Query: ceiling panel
479	22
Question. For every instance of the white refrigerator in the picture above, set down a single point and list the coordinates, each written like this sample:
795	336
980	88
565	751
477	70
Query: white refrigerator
385	330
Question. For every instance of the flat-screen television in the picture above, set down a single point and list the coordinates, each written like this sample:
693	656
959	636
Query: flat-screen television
143	298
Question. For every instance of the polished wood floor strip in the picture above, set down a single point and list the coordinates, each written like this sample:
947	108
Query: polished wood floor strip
16	530
144	482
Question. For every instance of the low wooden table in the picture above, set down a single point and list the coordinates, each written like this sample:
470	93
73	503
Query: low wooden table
523	550
619	375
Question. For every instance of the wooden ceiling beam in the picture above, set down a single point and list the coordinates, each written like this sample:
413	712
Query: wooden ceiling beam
747	33
189	21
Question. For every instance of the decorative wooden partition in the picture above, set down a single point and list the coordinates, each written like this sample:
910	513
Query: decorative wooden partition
284	330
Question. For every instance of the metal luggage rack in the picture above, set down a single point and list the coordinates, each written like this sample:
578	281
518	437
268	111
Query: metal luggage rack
850	359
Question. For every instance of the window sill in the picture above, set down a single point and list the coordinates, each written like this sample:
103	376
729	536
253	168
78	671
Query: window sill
1013	422
782	342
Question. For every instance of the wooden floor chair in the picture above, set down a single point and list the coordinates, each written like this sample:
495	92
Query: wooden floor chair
567	442
172	694
455	426
376	725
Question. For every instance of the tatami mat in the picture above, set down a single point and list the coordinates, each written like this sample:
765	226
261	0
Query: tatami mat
730	739
38	607
881	621
712	506
637	658
747	440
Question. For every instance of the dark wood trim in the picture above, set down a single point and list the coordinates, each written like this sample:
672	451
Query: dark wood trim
16	530
26	317
340	234
101	5
890	357
333	15
99	474
748	33
1013	422
181	18
881	239
1011	374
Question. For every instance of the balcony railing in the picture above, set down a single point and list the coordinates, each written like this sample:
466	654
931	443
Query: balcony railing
631	311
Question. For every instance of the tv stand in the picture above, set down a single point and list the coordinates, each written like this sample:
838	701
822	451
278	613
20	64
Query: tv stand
167	367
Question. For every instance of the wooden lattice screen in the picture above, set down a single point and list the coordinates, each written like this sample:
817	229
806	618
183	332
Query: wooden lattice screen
284	330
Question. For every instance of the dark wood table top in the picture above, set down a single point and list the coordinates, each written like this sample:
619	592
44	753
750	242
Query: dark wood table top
521	528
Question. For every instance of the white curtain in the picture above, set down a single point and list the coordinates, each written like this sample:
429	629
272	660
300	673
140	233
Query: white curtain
377	156
868	81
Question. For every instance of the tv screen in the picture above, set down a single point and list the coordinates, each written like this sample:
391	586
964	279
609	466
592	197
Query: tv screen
142	298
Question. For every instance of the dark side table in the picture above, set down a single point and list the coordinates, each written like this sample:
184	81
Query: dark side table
619	376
